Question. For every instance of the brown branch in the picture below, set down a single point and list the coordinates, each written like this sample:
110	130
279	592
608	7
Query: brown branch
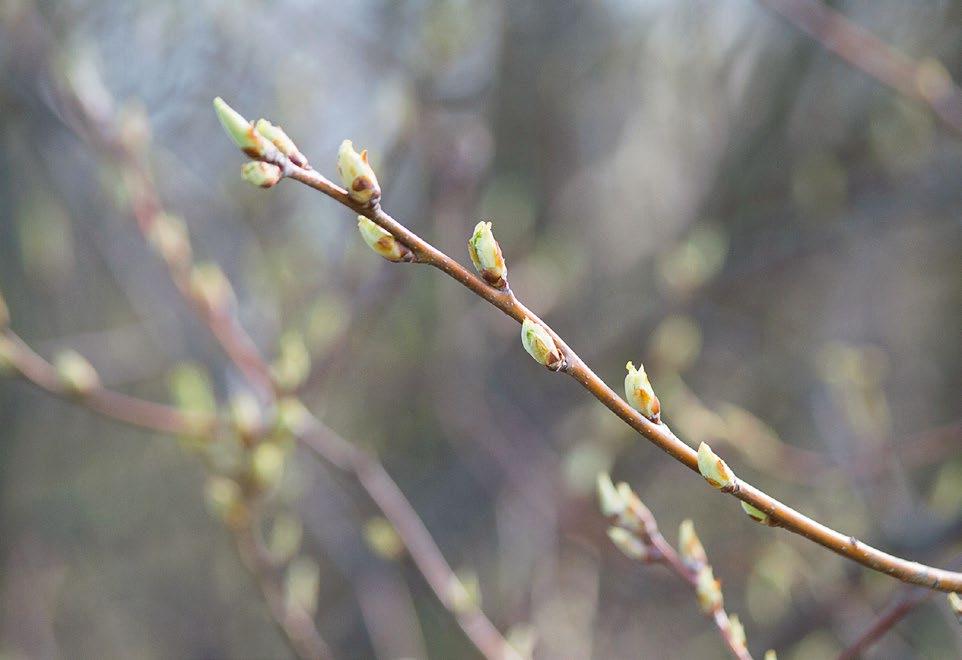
892	615
659	434
116	405
923	81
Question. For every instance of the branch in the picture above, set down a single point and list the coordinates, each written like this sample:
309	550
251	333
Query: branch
412	248
925	81
892	615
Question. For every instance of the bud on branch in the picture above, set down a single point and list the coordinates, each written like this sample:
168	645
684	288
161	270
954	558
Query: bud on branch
640	395
242	131
381	241
486	256
357	174
279	139
715	470
540	345
76	375
261	174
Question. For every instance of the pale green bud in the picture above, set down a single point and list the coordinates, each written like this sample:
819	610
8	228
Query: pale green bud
708	590
302	581
382	538
540	345
689	545
245	415
610	501
737	631
640	395
771	655
224	500
636	515
955	602
756	514
357	175
77	376
381	241
241	131
714	469
280	140
628	543
286	535
267	464
211	288
486	256
292	416
261	174
293	363
168	236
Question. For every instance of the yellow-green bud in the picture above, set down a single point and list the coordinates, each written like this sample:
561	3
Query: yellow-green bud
224	500
714	469
689	545
245	415
628	543
756	514
608	498
737	631
292	416
301	586
357	175
76	375
381	241
382	538
267	464
281	140
540	345
4	313
211	288
261	174
771	655
242	131
169	238
293	363
708	590
486	256
636	515
640	395
955	602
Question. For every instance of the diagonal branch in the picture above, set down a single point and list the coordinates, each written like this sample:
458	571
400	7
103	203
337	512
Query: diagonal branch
778	514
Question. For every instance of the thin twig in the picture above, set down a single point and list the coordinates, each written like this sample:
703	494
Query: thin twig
892	615
923	81
659	434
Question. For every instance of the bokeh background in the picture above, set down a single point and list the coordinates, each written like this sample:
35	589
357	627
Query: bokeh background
692	184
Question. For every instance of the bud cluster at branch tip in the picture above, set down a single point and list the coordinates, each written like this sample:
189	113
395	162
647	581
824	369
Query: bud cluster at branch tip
280	139
76	375
714	469
486	256
357	175
640	395
242	131
540	345
381	241
261	174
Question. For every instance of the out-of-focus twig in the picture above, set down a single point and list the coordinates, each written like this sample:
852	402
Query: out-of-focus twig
924	81
893	614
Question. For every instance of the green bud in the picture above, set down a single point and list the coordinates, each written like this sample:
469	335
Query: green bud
771	655
708	590
357	174
246	416
241	131
293	363
302	581
540	345
955	602
168	236
211	288
689	545
628	543
224	500
267	464
286	535
76	375
261	174
756	514
382	538
715	470
737	631
640	395
486	256
381	241
608	497
280	140
292	416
